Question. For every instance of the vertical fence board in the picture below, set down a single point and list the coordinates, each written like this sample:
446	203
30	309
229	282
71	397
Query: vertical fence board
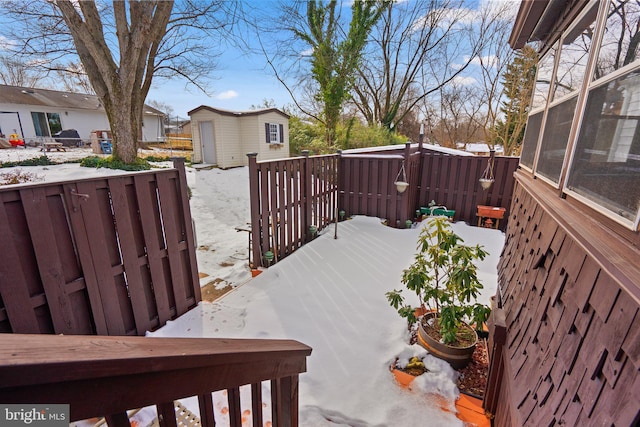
105	291
37	216
192	281
15	295
170	219
125	226
155	245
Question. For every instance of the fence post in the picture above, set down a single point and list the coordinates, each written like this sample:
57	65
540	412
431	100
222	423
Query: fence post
308	196
404	197
497	339
417	179
190	229
254	198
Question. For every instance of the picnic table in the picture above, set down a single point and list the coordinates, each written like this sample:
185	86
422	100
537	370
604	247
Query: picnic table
48	146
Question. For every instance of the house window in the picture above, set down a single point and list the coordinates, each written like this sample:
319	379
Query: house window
619	45
568	79
274	133
46	124
538	103
606	162
529	143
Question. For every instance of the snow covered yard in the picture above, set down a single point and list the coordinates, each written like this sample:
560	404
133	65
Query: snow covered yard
330	295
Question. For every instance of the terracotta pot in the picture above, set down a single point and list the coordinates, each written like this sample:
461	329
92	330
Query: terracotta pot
458	357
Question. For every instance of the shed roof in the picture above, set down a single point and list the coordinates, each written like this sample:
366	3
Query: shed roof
238	113
57	99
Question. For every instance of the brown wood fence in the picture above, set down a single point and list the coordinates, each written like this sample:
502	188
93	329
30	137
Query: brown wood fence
288	196
106	256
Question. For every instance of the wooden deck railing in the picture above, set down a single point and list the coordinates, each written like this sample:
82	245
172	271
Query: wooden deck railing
106	376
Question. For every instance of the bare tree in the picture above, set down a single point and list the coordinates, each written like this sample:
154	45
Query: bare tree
73	78
460	115
14	72
123	46
420	47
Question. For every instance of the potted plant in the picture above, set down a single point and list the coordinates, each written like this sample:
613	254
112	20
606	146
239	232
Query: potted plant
444	276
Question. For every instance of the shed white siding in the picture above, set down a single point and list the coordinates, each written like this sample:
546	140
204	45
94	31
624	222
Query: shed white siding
238	133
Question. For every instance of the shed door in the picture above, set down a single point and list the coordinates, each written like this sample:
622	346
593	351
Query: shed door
208	144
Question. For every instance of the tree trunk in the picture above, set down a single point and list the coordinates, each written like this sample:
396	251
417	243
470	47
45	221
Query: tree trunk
122	86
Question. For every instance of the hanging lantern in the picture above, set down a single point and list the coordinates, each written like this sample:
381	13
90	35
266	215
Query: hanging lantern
486	180
401	186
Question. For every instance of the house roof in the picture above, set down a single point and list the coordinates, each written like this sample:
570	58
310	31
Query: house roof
238	113
542	20
53	98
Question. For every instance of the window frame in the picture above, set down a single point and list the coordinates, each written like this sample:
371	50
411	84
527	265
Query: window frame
46	121
579	93
279	133
589	85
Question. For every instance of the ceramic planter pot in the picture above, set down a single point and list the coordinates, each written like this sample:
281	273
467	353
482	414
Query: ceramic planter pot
458	357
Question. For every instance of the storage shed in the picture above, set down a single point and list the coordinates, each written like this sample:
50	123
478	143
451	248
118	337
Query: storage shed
223	138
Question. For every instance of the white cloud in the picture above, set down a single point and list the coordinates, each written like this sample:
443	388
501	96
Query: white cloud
6	44
464	81
307	52
487	61
228	94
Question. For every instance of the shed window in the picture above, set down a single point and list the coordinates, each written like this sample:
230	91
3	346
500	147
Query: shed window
274	133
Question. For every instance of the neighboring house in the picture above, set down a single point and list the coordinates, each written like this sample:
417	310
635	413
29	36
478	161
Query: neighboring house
224	138
38	114
185	128
568	300
480	148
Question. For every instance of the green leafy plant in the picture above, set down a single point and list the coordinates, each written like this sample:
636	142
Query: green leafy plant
36	161
444	276
114	163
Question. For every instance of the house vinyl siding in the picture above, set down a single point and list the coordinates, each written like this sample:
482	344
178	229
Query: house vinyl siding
565	330
81	120
82	112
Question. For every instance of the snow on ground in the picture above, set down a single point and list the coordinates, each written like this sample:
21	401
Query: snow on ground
330	295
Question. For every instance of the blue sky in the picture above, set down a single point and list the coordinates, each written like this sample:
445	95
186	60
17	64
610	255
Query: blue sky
241	82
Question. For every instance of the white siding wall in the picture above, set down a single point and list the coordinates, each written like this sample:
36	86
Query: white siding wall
228	137
196	157
81	120
84	121
152	129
